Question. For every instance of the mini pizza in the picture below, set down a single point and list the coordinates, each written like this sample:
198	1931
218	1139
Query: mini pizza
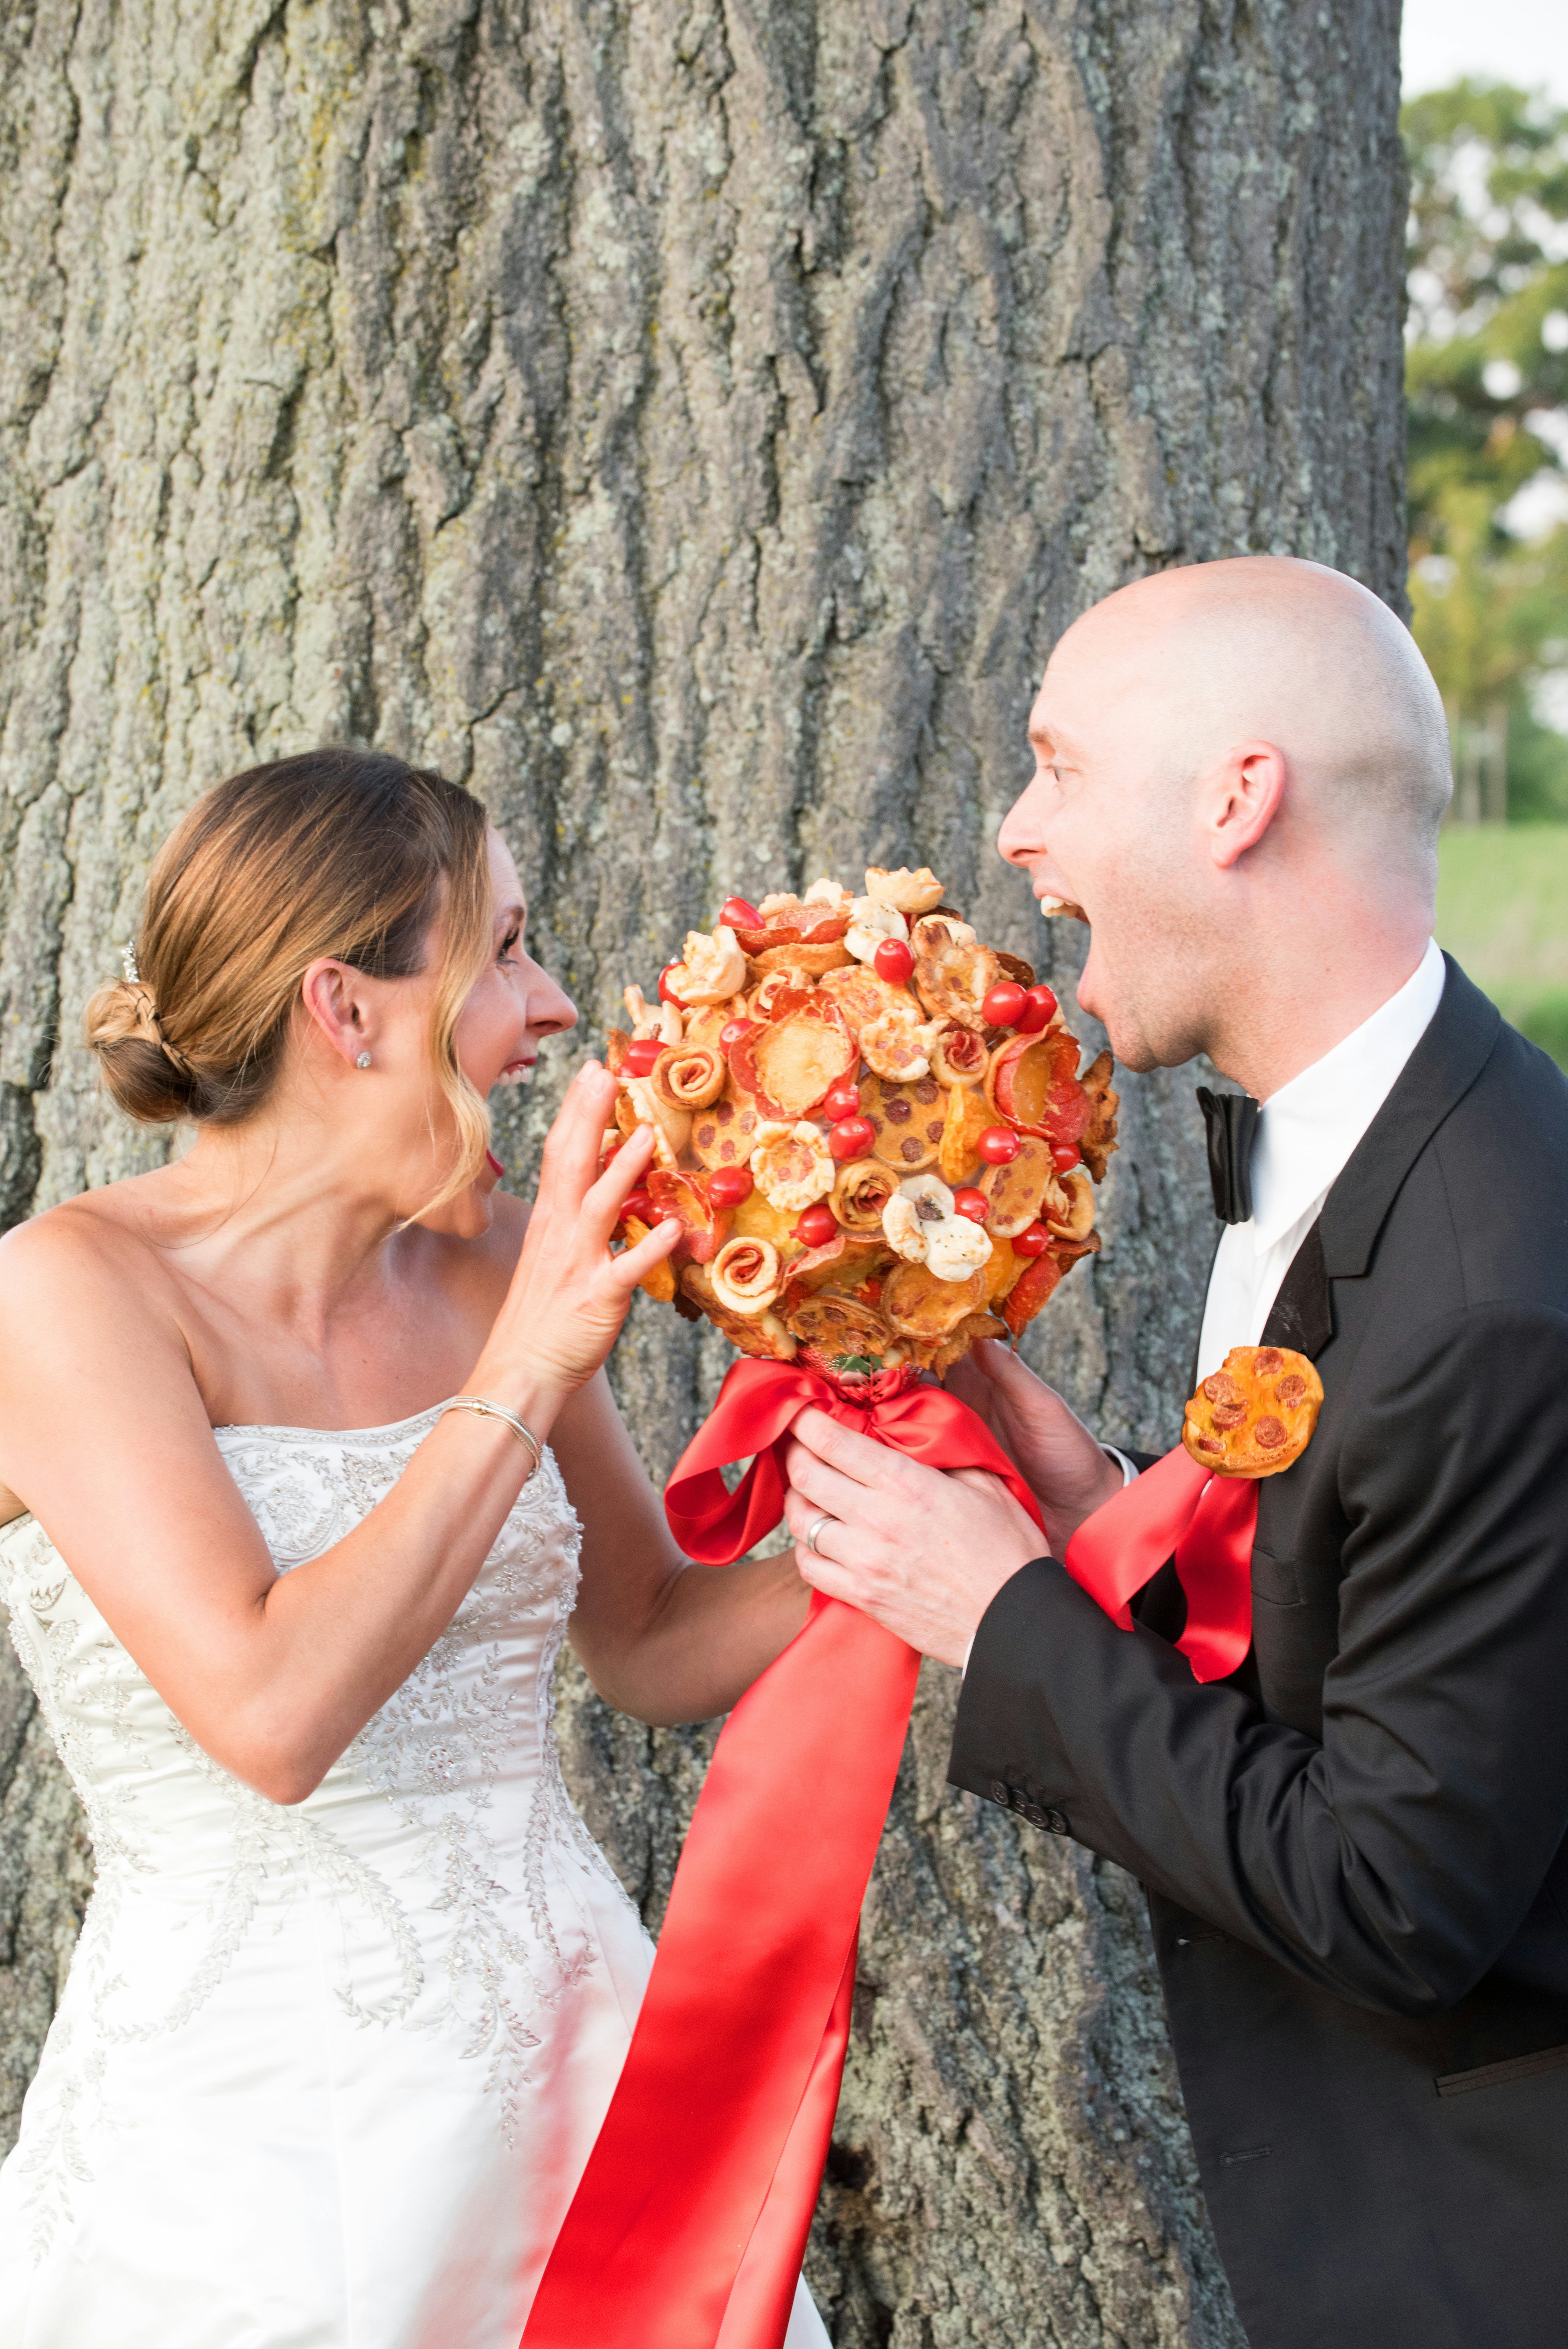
906	1120
1255	1414
878	1148
725	1133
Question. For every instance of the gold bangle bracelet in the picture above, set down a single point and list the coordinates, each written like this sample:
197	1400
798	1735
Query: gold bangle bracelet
484	1408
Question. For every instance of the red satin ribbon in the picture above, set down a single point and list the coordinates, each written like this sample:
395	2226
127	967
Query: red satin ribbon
757	1405
688	2227
1210	1523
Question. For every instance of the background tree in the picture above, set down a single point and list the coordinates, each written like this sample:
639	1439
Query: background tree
1488	371
692	422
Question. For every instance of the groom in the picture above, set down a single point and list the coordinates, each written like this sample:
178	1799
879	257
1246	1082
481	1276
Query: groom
1355	1847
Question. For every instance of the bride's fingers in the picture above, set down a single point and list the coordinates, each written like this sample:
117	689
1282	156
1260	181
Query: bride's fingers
598	1211
572	1146
633	1265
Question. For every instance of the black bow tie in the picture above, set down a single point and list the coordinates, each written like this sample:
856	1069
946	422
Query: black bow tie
1233	1121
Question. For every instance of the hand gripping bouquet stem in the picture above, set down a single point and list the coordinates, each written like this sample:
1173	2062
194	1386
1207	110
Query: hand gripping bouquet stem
877	1140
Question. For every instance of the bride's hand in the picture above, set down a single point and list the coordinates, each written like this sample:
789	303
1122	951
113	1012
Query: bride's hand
569	1295
1060	1460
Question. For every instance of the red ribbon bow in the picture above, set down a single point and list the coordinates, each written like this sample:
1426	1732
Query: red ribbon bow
689	2224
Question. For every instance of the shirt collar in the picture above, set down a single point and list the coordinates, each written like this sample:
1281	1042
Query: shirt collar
1308	1130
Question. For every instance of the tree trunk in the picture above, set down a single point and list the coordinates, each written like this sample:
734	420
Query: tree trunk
692	422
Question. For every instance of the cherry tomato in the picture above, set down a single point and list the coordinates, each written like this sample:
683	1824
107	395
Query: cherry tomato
973	1204
666	992
817	1225
727	1186
1003	1004
638	1203
843	1099
642	1055
732	1032
1039	1011
893	961
1064	1154
998	1145
852	1137
739	915
1033	1240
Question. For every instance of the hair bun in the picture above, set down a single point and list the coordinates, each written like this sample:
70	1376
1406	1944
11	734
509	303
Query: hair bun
149	1078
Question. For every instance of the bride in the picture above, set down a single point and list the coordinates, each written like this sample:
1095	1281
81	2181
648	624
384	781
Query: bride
289	1565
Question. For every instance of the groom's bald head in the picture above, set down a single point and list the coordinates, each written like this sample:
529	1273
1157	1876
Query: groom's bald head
1234	759
1265	646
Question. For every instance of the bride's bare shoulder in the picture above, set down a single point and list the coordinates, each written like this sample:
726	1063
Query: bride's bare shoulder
101	1243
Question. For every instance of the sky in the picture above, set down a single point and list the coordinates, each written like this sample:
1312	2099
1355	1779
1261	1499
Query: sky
1521	41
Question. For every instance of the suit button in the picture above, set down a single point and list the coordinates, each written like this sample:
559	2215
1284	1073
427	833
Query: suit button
1057	1822
999	1794
1020	1801
1034	1814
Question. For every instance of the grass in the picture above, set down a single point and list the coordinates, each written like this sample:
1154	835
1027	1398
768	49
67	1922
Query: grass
1502	913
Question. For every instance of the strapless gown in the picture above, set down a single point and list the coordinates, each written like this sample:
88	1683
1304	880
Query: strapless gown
323	2076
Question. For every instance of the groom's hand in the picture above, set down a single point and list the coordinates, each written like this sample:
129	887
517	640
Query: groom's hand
1053	1451
921	1550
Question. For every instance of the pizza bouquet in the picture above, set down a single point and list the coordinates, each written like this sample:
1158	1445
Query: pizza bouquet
871	1127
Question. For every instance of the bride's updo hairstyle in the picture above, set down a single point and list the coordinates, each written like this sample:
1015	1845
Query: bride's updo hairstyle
348	854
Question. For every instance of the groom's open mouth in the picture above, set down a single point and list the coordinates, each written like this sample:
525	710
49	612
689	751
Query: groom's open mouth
1050	903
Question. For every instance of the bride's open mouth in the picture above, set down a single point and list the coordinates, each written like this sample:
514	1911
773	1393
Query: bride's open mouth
516	1073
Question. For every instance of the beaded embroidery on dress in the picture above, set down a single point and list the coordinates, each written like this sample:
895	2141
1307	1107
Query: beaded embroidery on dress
326	2074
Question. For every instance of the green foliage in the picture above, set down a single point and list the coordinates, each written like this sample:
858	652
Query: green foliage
1501	889
1487	371
1537	771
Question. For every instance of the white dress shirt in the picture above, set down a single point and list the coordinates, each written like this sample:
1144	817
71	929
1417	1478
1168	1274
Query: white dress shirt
1305	1134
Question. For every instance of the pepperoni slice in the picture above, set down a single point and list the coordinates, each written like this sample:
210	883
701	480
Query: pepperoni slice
1269	1435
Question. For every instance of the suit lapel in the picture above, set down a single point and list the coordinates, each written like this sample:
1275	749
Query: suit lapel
1438	1074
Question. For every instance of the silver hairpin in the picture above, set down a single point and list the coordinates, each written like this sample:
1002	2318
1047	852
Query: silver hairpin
127	958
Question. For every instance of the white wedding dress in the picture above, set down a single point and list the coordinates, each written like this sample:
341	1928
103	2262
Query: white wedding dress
325	2076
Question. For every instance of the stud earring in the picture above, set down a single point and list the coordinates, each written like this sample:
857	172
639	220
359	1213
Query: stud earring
362	1061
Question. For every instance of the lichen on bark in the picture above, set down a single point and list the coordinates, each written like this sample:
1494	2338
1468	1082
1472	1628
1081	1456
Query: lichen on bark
692	423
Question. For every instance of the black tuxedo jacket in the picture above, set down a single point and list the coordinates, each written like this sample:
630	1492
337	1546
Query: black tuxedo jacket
1356	1847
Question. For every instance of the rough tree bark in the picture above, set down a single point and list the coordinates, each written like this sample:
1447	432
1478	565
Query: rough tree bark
692	422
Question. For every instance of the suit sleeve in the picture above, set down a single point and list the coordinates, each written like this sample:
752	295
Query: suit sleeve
1392	1862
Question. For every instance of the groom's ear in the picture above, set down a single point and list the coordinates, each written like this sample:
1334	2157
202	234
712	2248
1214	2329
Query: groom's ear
1240	798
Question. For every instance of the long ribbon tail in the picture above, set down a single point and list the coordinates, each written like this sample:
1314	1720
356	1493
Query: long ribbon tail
757	2316
1214	1567
1113	1553
1176	1508
688	2225
727	2062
